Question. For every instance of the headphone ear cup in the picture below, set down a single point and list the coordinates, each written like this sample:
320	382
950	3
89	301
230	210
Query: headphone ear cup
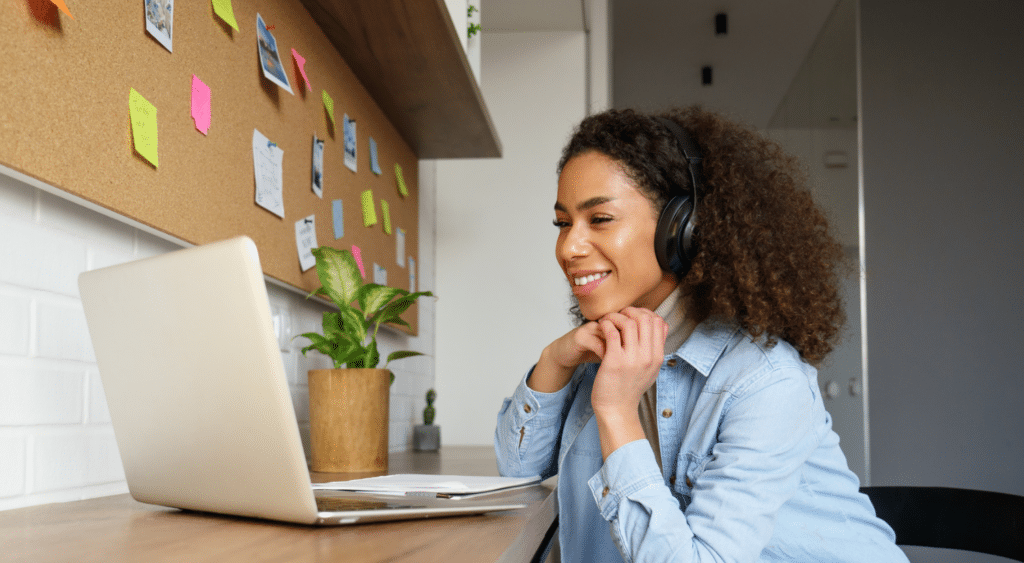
672	237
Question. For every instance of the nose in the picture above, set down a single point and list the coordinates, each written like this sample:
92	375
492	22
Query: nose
572	243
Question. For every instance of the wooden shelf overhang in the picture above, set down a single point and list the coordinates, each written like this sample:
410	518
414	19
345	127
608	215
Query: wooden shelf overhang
409	58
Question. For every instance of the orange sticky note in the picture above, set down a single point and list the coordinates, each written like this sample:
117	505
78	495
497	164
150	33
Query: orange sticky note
63	7
143	116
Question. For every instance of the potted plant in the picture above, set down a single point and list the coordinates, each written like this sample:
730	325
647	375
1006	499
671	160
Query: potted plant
426	436
348	405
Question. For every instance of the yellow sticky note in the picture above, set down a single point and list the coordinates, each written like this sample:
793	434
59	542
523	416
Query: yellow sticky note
386	212
143	116
369	212
223	9
401	180
329	104
63	7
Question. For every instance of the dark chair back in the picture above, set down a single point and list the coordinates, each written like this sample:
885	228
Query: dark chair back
979	521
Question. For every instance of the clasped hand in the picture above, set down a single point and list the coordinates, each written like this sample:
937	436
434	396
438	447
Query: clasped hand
629	344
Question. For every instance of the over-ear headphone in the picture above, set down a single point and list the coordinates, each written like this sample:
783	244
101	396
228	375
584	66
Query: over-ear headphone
673	239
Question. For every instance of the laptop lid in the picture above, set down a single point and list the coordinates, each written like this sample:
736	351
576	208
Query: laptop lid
195	384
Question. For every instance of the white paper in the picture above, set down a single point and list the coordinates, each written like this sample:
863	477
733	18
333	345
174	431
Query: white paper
412	275
380	275
400	248
305	241
266	160
420	483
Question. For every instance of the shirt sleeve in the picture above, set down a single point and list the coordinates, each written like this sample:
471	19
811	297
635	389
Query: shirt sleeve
529	426
766	433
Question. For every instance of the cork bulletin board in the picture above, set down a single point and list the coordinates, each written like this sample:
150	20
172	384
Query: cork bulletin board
65	121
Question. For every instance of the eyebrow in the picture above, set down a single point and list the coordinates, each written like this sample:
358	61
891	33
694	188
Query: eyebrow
592	202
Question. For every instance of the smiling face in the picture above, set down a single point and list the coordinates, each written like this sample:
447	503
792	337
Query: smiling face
606	238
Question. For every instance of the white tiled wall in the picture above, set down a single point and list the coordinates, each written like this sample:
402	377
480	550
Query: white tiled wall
56	441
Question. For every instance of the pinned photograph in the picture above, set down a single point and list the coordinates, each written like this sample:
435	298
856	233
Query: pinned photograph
270	60
318	166
350	143
159	20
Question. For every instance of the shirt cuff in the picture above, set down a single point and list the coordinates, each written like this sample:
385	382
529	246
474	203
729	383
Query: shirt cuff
540	409
627	470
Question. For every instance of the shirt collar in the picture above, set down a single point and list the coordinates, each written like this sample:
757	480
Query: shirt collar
706	344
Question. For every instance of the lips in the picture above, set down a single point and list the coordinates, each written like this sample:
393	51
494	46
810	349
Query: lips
584	283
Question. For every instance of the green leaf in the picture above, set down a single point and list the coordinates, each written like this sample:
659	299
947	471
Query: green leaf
353	323
332	324
372	297
390	312
339	274
401	354
318	343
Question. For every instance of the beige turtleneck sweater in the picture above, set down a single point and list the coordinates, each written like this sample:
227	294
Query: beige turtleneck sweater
673	310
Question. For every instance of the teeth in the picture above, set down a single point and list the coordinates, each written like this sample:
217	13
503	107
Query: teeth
587	279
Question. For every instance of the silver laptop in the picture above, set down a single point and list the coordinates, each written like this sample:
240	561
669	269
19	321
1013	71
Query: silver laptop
198	395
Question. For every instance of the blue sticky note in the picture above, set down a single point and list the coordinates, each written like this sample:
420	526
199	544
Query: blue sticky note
374	165
339	220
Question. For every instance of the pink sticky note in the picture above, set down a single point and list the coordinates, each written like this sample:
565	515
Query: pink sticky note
302	68
359	260
201	105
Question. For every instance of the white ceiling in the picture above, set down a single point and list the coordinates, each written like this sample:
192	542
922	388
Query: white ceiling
659	47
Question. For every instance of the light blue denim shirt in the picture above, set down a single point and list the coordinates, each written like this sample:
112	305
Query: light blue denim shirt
752	469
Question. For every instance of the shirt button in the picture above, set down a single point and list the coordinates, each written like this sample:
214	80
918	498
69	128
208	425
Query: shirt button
671	362
672	480
689	483
527	408
604	493
667	413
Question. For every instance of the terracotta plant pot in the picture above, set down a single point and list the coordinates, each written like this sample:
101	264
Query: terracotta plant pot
348	420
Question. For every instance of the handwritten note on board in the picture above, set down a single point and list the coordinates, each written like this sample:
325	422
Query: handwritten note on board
305	241
201	105
267	158
143	116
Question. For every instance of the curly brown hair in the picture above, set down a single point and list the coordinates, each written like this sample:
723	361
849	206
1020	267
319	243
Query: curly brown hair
765	256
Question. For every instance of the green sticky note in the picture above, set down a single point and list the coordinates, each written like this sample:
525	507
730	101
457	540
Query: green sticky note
401	180
369	213
143	116
329	104
386	212
223	9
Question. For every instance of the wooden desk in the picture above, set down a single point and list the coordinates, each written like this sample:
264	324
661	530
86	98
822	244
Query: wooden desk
117	528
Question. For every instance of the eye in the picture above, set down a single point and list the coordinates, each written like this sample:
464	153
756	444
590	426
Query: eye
599	219
560	224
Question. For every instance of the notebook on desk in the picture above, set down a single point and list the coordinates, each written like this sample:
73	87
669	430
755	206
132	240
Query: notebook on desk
198	395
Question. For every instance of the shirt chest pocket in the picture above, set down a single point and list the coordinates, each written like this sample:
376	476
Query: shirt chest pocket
689	468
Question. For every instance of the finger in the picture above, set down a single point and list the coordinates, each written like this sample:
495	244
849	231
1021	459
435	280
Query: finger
612	338
590	337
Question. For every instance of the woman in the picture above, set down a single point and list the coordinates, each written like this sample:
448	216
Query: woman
682	415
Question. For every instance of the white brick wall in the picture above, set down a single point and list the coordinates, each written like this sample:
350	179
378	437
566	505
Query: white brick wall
56	441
